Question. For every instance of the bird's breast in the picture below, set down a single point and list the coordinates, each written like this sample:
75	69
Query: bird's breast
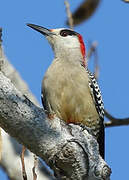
67	94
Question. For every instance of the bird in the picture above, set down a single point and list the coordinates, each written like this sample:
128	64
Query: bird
69	90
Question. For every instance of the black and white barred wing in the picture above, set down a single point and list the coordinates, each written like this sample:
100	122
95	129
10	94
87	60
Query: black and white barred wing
96	93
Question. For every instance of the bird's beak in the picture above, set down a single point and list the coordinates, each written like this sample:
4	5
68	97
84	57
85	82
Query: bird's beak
41	29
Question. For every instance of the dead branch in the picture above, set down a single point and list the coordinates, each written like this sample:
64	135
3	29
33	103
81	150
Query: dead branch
69	14
91	49
69	151
84	11
11	153
10	148
24	175
115	121
34	168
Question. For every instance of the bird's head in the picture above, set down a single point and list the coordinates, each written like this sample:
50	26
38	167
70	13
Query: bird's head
65	42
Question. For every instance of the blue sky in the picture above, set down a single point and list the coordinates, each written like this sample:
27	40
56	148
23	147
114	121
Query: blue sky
31	55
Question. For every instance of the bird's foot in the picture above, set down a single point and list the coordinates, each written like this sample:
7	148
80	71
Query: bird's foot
84	127
50	115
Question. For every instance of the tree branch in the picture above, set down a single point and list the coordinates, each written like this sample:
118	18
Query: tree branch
84	11
69	151
93	50
10	148
10	153
69	14
115	121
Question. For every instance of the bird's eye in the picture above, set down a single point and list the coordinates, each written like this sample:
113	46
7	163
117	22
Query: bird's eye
63	33
67	32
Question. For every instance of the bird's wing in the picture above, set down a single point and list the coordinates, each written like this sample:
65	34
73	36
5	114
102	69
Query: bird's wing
96	93
97	97
43	102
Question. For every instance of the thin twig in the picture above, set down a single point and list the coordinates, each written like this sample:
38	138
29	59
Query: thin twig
23	163
92	49
69	14
115	121
96	62
33	169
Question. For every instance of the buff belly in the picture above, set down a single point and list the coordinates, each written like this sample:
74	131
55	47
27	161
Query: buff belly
68	95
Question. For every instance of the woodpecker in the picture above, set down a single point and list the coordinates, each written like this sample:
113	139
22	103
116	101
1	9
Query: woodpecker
69	90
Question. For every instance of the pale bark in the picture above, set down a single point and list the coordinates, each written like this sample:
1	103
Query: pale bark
69	151
11	160
10	148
